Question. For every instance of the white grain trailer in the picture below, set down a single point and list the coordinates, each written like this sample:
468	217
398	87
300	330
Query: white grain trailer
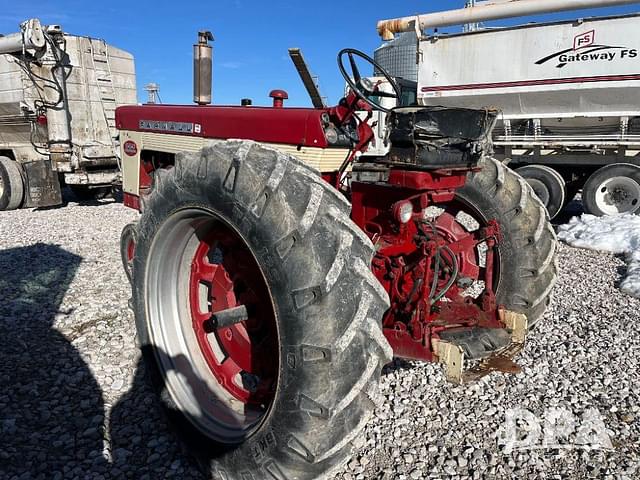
569	93
58	95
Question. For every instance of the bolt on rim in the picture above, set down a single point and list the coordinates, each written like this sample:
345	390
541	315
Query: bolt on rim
222	375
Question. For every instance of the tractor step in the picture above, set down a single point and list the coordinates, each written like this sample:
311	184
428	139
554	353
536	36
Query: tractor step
470	354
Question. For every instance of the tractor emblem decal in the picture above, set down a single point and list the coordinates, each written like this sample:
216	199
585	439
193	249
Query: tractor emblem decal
130	148
170	127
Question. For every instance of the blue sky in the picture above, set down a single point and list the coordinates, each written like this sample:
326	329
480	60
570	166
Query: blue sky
252	38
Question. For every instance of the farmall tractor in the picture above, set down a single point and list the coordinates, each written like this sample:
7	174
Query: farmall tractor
276	270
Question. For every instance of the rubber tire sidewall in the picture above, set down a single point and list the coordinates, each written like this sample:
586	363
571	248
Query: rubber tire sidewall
527	268
129	233
13	183
285	417
552	181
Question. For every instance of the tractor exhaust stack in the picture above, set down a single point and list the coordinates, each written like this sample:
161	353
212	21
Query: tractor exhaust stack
202	68
491	11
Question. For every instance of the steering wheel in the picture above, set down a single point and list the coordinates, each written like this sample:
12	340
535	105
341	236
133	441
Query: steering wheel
363	87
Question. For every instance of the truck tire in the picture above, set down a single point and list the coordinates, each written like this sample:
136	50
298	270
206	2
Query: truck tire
527	266
11	184
248	232
613	190
547	184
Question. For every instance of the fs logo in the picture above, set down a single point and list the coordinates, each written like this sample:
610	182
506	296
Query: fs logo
586	50
584	40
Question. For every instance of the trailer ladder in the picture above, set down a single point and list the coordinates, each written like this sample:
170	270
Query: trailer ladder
104	80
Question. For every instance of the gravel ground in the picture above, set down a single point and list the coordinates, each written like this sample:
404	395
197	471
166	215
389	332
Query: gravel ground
74	403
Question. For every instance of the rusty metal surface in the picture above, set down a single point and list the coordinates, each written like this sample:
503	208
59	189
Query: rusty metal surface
459	371
98	77
43	188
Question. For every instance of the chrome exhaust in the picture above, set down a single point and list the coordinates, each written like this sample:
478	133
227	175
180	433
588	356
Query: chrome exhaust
202	68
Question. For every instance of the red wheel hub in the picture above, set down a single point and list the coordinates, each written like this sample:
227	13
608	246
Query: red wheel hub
450	229
242	357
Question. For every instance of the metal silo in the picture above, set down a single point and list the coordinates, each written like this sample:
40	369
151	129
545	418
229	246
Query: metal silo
398	56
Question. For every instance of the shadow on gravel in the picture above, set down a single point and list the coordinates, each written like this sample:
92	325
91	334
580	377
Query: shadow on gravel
144	443
86	199
51	407
621	270
398	364
572	209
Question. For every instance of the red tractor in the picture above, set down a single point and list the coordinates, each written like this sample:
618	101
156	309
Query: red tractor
275	272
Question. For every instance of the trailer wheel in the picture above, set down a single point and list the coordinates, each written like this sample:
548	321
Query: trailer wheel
11	184
612	190
257	312
548	185
526	254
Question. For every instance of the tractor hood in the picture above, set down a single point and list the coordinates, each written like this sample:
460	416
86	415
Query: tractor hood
292	126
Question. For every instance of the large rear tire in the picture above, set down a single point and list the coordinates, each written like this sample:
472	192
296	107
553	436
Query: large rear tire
527	267
11	185
240	226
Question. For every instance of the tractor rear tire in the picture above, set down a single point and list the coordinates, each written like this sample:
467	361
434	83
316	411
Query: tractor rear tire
11	184
527	252
327	308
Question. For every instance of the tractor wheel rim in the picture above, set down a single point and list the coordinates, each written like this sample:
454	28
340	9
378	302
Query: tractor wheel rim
618	195
459	219
450	228
223	379
1	187
131	250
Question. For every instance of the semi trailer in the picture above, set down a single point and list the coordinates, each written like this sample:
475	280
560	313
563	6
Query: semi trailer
568	93
58	96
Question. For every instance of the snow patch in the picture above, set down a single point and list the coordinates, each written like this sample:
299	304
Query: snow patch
615	234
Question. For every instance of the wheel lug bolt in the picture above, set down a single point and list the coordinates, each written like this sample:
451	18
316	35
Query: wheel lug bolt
250	381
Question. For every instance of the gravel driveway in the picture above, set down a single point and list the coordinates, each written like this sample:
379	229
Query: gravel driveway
74	402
